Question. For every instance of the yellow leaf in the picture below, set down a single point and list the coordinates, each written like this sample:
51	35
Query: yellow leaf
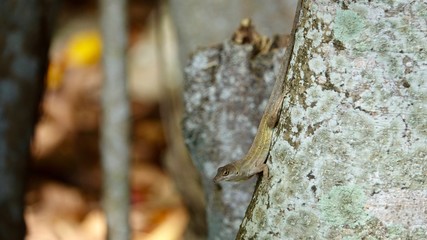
84	49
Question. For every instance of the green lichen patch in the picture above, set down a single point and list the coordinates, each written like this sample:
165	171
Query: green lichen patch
301	225
347	25
339	63
322	102
278	197
420	8
417	119
395	232
418	233
343	206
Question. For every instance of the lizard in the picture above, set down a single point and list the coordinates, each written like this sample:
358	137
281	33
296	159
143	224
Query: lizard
254	160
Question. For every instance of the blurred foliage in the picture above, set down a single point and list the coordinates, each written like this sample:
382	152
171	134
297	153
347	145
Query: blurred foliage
83	49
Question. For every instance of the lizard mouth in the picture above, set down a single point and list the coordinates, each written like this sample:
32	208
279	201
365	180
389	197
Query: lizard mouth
216	179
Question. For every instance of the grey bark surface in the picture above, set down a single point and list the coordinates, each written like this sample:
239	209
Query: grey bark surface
115	120
25	28
203	23
225	92
349	157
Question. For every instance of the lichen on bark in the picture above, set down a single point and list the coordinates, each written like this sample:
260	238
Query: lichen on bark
351	138
226	91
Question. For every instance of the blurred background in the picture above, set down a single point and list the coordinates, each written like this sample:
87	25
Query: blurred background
167	202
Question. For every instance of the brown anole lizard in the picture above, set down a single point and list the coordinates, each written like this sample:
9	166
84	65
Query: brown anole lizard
254	160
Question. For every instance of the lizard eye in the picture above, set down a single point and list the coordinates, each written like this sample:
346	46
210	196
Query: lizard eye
225	173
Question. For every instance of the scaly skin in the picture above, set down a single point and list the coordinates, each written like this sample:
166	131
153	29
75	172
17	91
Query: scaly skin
254	160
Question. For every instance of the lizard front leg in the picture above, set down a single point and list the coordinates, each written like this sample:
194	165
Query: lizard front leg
263	168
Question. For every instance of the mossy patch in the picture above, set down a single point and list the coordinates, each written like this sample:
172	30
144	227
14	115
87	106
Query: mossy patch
347	25
343	205
302	225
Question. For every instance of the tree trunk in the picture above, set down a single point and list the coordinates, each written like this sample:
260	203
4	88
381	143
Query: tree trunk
349	157
226	91
115	120
25	28
221	19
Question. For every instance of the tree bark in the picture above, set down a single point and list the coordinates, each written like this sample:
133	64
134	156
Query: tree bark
115	122
221	19
25	28
349	157
226	91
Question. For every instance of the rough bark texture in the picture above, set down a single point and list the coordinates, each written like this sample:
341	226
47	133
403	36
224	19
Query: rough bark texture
24	40
196	26
115	122
349	160
226	91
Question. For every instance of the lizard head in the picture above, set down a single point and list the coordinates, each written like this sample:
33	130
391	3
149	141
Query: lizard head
227	173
